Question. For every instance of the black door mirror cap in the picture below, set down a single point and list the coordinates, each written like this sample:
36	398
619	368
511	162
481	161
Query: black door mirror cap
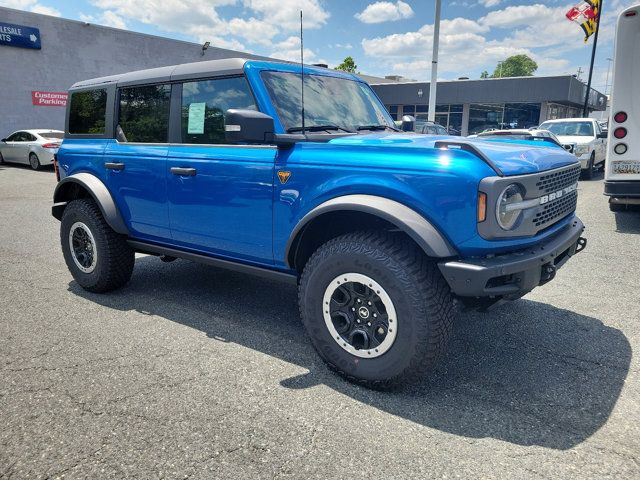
408	123
248	126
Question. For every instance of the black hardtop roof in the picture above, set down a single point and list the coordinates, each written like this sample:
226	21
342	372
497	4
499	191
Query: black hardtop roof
208	68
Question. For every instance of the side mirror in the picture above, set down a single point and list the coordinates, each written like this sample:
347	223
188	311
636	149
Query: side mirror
602	135
248	126
4	140
408	123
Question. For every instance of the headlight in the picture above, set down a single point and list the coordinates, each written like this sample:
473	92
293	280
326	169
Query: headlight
507	213
582	149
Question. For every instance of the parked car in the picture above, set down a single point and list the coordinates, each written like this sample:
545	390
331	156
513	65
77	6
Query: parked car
381	229
622	171
33	147
527	134
587	135
430	128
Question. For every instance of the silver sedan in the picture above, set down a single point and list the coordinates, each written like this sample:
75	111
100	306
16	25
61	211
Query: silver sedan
33	147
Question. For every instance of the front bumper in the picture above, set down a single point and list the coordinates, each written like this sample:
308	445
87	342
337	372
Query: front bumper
514	274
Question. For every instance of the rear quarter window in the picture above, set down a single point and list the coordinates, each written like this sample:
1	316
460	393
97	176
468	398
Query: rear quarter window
87	112
144	113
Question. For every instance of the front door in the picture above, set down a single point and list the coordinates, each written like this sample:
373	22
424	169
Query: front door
15	148
136	161
220	196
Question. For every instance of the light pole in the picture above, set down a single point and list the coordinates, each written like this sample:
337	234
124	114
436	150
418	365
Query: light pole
500	69
434	65
606	86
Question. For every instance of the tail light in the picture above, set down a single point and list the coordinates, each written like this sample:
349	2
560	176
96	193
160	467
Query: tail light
620	117
55	167
50	145
620	132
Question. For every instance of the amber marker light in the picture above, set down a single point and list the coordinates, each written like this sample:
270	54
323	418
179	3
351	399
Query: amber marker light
482	207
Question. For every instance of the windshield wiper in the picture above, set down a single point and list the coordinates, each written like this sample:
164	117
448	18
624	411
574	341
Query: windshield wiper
318	128
377	127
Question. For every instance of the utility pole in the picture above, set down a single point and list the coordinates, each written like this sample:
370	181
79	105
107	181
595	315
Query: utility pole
579	75
585	108
434	65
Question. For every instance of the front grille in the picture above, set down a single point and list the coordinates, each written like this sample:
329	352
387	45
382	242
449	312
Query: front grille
556	209
552	182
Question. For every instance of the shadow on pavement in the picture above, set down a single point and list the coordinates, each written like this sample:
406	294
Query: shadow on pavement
526	373
629	220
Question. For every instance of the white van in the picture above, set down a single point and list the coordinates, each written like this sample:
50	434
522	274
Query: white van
622	171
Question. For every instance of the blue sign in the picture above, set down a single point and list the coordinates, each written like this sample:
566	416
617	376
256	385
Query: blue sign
19	36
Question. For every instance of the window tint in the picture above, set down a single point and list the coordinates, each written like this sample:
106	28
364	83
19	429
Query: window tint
29	138
144	113
204	104
14	137
87	112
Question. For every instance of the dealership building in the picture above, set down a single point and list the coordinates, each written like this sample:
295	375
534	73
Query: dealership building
42	56
470	106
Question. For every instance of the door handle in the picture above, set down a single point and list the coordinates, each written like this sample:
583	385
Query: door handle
114	165
183	172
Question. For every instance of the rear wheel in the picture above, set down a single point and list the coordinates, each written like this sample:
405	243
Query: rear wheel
34	161
99	259
376	308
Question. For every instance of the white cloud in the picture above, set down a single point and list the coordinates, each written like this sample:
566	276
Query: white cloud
379	12
31	6
285	14
490	3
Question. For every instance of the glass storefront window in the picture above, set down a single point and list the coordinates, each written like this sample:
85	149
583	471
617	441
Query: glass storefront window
502	116
521	115
484	116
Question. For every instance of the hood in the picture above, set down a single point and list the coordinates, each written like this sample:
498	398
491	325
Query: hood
512	157
578	140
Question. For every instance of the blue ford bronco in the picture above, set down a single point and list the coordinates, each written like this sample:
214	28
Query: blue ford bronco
385	231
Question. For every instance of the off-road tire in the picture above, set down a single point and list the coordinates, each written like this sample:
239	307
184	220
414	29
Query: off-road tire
423	302
588	173
34	161
115	259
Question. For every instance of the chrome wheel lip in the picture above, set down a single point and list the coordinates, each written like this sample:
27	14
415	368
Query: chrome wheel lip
74	254
384	297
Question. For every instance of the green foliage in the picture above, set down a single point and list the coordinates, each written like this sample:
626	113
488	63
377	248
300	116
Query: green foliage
515	66
484	74
348	65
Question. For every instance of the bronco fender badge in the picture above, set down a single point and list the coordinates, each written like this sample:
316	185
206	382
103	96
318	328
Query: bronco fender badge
283	175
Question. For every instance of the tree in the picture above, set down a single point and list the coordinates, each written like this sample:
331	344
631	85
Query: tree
484	74
515	66
348	65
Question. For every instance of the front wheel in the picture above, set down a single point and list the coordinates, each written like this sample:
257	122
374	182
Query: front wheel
376	308
587	174
99	258
34	161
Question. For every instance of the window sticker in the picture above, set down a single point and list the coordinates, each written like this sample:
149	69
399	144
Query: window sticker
196	118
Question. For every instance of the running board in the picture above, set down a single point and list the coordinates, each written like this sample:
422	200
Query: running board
152	249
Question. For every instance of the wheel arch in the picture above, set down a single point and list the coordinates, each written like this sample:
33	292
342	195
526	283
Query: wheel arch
352	212
86	185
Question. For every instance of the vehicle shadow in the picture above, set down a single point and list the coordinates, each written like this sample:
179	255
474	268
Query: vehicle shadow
629	220
527	373
22	166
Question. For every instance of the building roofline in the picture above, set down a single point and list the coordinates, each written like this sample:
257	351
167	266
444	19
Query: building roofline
530	77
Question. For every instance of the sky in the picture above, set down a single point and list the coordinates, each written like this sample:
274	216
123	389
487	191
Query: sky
383	37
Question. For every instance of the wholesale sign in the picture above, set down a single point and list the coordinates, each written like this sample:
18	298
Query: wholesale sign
19	36
49	99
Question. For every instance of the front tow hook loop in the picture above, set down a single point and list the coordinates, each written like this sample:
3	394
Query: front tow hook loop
581	245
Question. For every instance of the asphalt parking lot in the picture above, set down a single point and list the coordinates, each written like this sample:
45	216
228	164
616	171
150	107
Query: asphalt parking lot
195	372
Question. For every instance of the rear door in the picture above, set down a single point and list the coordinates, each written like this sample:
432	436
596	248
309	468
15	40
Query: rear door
220	195
135	161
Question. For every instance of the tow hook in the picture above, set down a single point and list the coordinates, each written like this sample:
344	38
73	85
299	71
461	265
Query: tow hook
581	244
548	272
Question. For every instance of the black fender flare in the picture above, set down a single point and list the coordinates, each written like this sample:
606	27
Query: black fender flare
406	219
98	191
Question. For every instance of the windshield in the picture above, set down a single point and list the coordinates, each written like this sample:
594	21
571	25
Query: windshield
339	102
572	129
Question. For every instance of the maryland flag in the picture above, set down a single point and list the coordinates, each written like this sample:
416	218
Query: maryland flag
586	14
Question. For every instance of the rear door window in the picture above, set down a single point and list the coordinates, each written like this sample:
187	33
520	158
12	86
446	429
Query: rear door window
204	104
143	116
87	112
